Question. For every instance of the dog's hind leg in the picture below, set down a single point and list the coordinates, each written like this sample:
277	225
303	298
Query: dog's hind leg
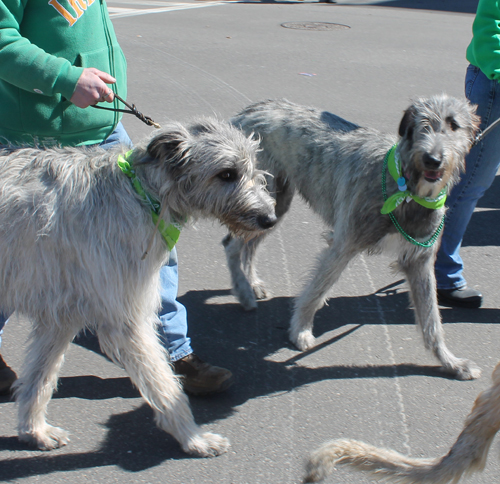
419	271
137	348
329	267
468	454
33	390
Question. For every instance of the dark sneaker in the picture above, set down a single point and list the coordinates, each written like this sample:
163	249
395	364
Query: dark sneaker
200	378
7	377
464	297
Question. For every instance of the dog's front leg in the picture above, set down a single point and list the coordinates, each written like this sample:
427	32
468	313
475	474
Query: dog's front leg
34	389
418	266
332	261
135	345
249	266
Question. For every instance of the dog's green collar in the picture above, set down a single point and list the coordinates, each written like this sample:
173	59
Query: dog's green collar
393	161
171	232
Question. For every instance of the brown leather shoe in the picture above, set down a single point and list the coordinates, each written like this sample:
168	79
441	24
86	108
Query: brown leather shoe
200	378
7	377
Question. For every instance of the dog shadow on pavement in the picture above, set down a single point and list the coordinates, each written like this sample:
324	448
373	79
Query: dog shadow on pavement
133	443
225	335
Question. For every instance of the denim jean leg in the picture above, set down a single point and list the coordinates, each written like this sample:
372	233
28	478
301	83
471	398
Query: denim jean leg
481	167
173	315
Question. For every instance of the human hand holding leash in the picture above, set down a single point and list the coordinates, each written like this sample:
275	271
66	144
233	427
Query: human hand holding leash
92	88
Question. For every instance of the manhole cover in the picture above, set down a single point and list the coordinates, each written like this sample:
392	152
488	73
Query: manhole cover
314	26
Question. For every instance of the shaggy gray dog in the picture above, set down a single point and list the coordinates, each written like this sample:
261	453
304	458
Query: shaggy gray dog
73	235
467	455
339	170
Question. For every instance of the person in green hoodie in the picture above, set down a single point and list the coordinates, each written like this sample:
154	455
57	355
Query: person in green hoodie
482	87
57	58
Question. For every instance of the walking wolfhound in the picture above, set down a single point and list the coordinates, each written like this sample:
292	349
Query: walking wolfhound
340	170
75	225
467	455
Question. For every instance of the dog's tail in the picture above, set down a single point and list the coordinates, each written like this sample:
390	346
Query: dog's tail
467	455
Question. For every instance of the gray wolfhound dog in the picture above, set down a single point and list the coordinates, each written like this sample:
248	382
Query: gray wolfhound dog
73	231
337	167
468	454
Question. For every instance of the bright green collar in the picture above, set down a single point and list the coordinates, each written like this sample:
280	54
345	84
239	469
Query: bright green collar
392	157
170	232
394	163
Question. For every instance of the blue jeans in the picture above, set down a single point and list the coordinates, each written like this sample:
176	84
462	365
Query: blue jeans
481	167
173	315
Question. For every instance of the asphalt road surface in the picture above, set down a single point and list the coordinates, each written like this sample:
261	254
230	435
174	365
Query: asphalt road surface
369	378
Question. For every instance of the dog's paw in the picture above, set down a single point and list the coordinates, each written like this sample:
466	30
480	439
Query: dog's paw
466	370
246	299
260	291
207	445
245	295
51	438
247	303
304	340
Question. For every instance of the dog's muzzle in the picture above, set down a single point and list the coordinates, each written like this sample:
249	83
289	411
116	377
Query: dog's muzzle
432	165
267	221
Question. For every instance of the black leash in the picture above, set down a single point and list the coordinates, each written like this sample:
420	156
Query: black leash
131	110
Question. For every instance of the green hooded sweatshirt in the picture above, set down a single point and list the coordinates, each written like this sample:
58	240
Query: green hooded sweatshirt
44	46
484	49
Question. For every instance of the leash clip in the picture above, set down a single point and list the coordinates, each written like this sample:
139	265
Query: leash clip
482	134
132	110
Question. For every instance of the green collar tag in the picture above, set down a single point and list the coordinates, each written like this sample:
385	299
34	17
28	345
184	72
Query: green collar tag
171	232
394	164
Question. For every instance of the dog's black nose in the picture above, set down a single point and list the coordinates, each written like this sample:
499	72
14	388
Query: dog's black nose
267	221
430	162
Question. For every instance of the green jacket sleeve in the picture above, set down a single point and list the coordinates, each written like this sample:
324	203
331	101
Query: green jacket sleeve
484	49
27	66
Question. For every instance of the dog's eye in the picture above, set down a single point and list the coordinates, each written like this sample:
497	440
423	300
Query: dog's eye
228	175
452	123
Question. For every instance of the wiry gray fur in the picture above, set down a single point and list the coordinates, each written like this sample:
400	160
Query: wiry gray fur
336	166
72	235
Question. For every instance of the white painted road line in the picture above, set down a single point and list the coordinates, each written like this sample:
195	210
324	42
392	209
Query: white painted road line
118	12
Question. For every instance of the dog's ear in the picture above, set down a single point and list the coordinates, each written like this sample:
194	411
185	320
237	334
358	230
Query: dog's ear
168	145
407	122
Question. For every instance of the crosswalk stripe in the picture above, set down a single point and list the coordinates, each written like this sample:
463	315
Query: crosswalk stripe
118	12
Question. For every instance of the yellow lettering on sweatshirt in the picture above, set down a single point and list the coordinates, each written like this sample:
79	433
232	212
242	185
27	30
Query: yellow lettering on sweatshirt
79	6
76	5
63	12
